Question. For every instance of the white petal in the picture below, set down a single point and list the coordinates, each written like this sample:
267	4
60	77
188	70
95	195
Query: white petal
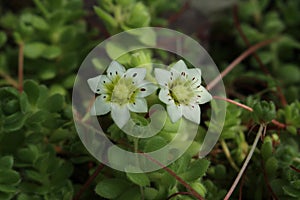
203	95
146	88
179	68
115	69
137	74
139	106
101	106
97	83
195	76
175	112
162	76
120	114
164	96
192	113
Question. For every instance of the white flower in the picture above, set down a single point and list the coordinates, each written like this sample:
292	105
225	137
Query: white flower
120	91
181	90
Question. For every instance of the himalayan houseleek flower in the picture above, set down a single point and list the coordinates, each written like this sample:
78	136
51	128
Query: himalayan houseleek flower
181	91
120	91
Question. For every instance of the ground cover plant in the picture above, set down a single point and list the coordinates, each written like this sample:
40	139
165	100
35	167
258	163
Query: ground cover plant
256	46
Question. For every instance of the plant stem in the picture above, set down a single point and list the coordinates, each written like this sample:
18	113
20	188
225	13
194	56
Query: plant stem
259	134
89	181
274	121
179	179
228	155
239	59
9	79
21	66
234	102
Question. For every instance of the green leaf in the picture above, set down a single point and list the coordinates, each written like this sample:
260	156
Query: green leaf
196	170
200	188
3	38
108	20
111	188
6	162
150	193
290	191
267	148
271	166
60	135
7	189
132	194
34	50
9	177
155	143
54	103
32	90
14	122
140	179
51	52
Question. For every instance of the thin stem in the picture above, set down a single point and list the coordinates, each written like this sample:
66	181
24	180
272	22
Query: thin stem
294	168
172	173
21	66
228	155
257	58
259	134
245	39
234	102
274	121
239	59
89	181
9	79
267	181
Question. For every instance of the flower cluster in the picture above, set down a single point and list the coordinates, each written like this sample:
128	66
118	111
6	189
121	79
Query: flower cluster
122	91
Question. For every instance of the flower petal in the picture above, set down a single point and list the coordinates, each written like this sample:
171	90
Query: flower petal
145	89
162	76
195	76
175	112
97	83
115	69
137	74
164	96
179	69
138	106
192	113
101	106
203	96
120	114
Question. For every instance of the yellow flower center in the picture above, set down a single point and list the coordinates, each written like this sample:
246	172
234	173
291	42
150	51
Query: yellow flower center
123	91
181	91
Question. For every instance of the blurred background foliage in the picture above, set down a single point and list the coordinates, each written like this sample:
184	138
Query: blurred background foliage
41	156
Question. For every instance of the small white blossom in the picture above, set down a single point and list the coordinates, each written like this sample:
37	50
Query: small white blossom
181	91
120	91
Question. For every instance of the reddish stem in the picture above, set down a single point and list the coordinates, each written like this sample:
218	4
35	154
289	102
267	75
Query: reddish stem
239	59
89	181
175	16
268	182
294	168
278	124
274	121
257	58
172	173
234	102
21	65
